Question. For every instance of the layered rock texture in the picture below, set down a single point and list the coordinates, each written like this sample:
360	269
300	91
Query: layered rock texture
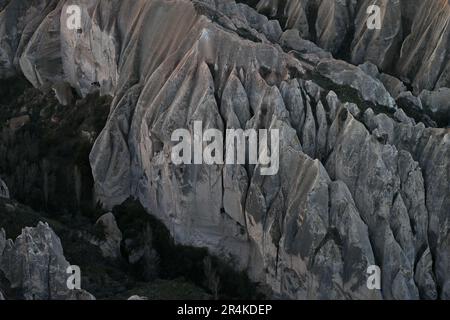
35	266
363	178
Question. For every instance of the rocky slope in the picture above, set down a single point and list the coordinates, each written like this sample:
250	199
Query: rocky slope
413	41
364	176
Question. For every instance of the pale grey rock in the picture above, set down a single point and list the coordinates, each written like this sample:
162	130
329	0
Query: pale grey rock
309	132
370	69
413	106
235	185
35	264
424	188
27	15
332	104
355	187
351	230
110	246
401	229
424	276
235	108
322	131
313	90
2	241
393	85
437	103
40	58
136	298
345	74
63	92
334	21
401	116
272	30
324	266
241	19
295	13
295	104
406	232
425	63
378	46
412	43
291	40
352	108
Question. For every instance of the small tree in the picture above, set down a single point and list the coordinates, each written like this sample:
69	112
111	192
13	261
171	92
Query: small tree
78	186
212	279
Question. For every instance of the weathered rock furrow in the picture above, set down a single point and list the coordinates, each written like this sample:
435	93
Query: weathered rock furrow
35	266
412	43
355	187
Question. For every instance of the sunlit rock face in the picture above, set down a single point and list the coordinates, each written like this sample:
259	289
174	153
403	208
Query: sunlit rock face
360	183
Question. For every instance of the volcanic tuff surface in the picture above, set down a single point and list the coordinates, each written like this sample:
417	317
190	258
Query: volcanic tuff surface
413	43
34	264
364	172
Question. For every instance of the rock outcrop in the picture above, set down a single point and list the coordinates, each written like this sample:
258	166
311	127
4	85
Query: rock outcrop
4	191
437	103
111	236
345	74
413	41
137	298
35	266
360	183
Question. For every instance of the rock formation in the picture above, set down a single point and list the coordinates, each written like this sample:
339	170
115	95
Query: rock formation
413	41
35	266
4	191
361	181
134	298
109	236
